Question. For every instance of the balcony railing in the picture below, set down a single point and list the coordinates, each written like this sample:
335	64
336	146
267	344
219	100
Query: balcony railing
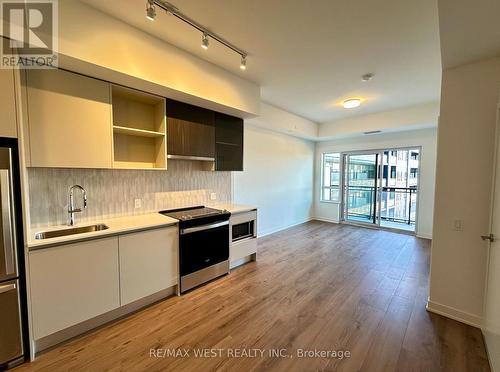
362	205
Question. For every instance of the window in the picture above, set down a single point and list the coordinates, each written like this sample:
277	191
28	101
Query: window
393	171
330	184
414	155
413	172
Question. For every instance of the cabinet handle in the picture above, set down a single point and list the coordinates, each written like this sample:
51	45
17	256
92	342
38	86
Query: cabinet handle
7	288
490	237
8	244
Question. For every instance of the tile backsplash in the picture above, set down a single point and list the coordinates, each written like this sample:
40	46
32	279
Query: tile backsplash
111	192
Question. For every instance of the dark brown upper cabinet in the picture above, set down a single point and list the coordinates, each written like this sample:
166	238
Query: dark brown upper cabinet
190	131
228	143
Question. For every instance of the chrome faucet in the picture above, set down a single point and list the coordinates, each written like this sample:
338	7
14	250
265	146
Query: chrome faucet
71	204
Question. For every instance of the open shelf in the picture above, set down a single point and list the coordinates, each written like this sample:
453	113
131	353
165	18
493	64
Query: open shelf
136	132
138	152
138	110
139	130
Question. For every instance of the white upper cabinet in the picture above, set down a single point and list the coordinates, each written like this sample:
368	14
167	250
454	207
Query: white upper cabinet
8	126
69	120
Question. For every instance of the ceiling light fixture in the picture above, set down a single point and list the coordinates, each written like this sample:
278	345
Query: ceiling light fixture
204	41
174	11
351	103
150	10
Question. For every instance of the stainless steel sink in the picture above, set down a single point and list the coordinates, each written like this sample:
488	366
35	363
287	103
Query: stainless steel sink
70	231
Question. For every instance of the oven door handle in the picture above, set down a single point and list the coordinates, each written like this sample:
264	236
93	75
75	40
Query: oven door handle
190	230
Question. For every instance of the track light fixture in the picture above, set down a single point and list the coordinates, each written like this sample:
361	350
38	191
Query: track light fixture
204	41
150	10
206	34
243	64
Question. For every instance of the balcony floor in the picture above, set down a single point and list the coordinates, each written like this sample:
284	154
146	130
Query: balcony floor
386	224
398	225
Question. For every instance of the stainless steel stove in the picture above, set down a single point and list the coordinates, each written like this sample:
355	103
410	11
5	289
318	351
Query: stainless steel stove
203	244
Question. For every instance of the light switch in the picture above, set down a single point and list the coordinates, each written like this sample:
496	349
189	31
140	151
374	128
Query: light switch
137	203
458	225
213	196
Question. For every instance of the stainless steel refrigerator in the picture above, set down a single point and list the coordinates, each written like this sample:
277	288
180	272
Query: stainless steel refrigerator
12	349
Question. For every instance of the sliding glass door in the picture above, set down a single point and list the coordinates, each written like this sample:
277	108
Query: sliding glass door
380	188
399	188
361	187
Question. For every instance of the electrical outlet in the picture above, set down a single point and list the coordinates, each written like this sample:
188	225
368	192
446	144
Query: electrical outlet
458	225
213	196
137	203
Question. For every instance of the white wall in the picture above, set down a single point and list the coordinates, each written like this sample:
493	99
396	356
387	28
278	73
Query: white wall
424	137
278	178
463	185
282	121
408	118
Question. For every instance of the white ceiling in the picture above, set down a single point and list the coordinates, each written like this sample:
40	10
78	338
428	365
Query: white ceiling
308	56
470	30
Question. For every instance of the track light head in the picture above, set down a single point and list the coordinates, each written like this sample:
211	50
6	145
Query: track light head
367	77
150	10
243	63
204	41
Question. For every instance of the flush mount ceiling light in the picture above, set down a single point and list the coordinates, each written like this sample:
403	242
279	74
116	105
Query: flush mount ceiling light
204	41
206	34
150	10
351	103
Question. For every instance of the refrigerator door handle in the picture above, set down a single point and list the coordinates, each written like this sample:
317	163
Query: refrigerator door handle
7	288
8	243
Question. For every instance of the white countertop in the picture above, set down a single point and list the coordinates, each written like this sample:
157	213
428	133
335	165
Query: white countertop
233	208
119	225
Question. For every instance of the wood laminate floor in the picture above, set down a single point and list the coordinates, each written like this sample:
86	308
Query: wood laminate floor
315	286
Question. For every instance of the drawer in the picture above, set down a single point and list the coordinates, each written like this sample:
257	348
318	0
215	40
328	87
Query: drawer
243	248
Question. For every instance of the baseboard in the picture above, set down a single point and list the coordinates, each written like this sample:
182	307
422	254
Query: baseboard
485	343
325	220
275	230
455	314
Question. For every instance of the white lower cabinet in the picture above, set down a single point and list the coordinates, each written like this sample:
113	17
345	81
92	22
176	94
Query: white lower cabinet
148	262
73	283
